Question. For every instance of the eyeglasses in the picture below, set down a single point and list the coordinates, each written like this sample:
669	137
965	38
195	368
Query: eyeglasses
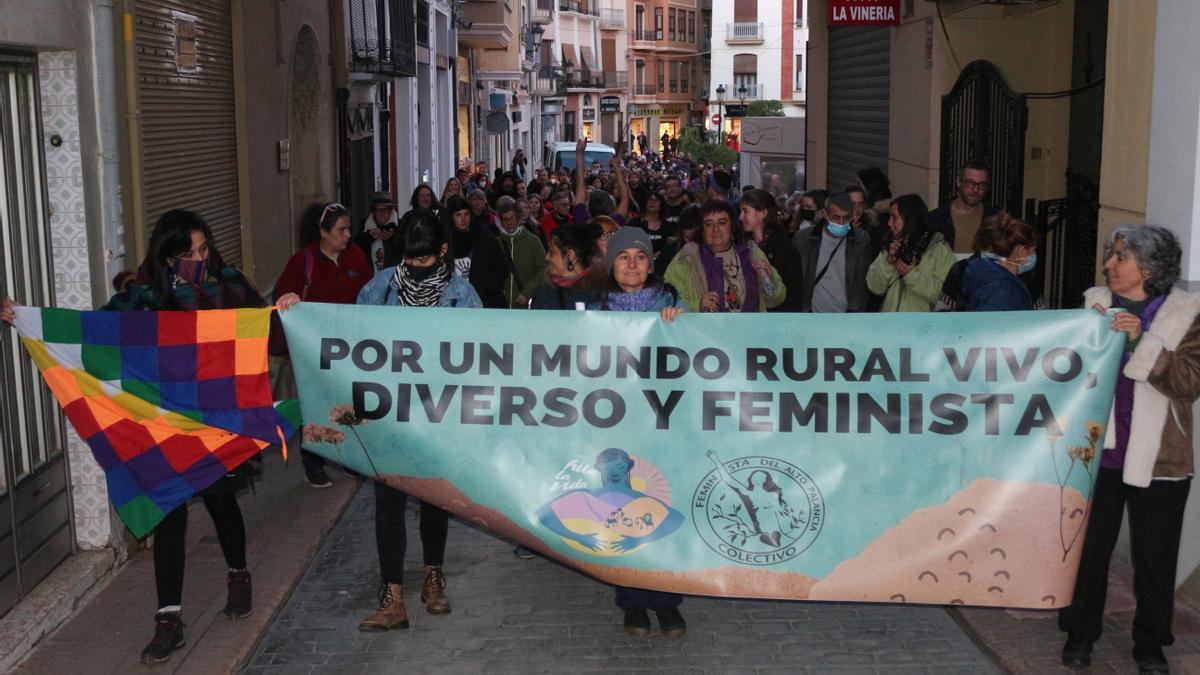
974	184
332	206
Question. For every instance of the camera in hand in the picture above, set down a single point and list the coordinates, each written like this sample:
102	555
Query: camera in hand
912	248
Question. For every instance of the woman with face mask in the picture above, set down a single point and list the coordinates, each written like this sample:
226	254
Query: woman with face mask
184	271
424	278
1005	249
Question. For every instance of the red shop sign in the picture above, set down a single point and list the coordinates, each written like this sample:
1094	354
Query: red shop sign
864	12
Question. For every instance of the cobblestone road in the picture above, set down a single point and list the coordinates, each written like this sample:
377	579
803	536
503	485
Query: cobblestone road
512	615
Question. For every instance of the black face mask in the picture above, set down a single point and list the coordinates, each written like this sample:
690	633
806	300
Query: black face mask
808	214
421	273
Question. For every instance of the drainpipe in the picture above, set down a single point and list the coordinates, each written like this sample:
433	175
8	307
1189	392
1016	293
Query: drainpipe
108	149
133	131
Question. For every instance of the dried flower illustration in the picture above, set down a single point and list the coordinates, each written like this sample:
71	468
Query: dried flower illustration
343	414
1082	455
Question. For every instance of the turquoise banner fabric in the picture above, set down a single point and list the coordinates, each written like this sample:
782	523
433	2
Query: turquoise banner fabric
920	458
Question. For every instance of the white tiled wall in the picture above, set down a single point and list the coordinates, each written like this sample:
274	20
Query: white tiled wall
72	278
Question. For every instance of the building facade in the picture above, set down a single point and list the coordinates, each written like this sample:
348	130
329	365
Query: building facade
759	53
666	70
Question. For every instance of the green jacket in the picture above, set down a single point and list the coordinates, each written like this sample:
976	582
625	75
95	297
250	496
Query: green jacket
918	290
529	259
686	274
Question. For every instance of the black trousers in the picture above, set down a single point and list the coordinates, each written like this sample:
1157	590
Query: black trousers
1155	525
391	534
170	538
639	598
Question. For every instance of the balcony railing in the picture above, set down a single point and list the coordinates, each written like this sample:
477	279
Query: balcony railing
578	6
543	11
644	89
586	80
616	79
754	92
612	18
749	31
643	34
388	49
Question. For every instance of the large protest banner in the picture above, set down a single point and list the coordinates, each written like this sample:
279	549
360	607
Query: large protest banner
920	458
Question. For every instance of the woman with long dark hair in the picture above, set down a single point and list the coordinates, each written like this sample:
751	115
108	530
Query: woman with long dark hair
423	202
761	221
651	221
183	270
913	264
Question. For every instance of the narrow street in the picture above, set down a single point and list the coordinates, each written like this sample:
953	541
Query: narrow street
513	615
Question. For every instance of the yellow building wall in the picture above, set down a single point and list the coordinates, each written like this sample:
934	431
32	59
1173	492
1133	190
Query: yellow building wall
1033	51
1128	89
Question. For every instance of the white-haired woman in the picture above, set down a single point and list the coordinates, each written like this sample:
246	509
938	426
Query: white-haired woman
1147	460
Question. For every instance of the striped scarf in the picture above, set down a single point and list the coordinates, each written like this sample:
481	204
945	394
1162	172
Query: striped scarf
423	293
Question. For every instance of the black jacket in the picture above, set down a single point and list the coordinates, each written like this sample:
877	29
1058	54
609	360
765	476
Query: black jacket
784	257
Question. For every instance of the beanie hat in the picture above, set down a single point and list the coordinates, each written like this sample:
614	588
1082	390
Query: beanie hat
627	237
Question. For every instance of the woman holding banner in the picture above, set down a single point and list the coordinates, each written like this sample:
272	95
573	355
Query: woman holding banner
632	287
425	278
1147	461
184	271
724	272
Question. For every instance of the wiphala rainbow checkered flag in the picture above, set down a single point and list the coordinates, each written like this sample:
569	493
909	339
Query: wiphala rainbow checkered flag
169	402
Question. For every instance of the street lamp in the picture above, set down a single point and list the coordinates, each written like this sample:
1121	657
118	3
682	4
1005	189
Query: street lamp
534	41
742	91
720	112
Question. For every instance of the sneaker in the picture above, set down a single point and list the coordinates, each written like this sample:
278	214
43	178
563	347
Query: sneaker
671	622
168	636
1150	659
318	478
637	622
524	553
433	591
237	601
391	613
1077	652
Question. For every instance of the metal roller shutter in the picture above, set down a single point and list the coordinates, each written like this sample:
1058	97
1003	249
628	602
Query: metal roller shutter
859	76
187	118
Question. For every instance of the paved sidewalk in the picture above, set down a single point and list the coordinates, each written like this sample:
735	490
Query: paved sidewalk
1030	642
285	524
513	615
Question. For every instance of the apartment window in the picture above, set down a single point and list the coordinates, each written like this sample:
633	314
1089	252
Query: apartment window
671	24
745	11
745	74
800	14
658	23
799	72
674	66
692	27
661	77
684	69
569	125
639	22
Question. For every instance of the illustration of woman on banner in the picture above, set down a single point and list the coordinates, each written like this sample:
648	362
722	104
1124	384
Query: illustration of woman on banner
613	519
770	515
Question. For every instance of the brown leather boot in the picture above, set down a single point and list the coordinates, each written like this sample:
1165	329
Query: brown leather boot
433	591
391	613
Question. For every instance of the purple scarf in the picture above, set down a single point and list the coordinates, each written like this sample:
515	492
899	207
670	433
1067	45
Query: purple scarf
714	275
1114	458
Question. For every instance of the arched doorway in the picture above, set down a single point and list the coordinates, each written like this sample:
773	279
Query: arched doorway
304	95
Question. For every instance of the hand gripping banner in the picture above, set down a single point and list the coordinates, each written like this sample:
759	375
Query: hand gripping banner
914	458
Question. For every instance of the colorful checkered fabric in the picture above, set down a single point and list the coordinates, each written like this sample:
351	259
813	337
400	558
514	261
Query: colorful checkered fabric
169	402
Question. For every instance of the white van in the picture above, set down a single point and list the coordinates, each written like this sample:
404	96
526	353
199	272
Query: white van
561	155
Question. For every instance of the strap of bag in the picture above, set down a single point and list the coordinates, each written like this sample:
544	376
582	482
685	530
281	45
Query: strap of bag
821	274
308	273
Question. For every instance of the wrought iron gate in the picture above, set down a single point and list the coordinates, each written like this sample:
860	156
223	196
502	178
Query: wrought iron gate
1069	228
982	118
